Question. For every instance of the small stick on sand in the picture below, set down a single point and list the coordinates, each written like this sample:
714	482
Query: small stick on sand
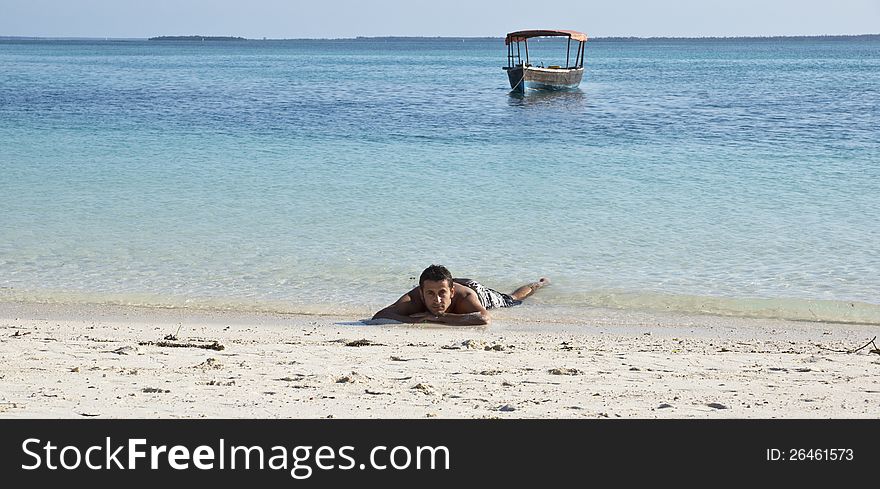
871	342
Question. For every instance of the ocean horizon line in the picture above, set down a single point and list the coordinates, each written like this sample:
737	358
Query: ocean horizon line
212	38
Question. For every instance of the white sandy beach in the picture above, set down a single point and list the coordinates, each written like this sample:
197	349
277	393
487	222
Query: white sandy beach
107	362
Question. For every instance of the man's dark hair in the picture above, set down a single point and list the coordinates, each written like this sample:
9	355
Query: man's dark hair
436	273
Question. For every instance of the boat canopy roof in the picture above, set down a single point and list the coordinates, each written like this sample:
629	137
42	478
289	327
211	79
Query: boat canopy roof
523	35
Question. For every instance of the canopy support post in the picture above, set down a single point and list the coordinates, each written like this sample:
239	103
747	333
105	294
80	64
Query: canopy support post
567	52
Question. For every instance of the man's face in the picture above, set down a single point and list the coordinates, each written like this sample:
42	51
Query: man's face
437	295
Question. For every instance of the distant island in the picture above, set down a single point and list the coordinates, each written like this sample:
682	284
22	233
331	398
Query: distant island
424	38
196	38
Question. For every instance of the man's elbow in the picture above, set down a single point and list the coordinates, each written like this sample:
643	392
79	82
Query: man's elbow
390	313
484	319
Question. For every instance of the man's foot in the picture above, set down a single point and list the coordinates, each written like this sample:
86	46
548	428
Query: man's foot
540	283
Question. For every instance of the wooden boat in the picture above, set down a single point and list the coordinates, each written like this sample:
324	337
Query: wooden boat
523	75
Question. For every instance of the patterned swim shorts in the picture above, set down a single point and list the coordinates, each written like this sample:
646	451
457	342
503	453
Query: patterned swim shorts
490	298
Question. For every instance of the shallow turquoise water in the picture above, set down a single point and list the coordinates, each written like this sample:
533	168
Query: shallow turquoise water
738	177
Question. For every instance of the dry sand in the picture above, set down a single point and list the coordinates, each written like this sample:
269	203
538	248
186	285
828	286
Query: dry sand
110	362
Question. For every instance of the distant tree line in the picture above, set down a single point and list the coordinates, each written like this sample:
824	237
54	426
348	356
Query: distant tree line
196	38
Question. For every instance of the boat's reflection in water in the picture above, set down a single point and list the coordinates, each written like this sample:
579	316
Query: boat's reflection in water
547	98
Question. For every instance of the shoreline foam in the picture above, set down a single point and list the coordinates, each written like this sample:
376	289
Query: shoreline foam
558	308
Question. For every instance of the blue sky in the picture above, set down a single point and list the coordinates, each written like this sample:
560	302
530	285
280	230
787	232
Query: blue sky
349	18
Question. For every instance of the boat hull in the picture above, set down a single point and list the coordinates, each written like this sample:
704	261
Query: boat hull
533	78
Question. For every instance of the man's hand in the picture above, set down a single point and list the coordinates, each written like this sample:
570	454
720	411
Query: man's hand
426	316
469	319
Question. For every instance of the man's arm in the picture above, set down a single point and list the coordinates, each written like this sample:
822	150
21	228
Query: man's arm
401	310
469	319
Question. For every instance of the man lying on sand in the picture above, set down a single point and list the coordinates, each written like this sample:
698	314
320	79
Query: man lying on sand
439	298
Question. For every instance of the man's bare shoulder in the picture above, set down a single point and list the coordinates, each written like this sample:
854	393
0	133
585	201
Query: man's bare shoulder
409	303
414	295
464	290
466	300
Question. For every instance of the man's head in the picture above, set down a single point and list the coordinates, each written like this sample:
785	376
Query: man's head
436	287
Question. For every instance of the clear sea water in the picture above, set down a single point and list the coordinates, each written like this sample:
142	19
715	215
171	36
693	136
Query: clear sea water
737	177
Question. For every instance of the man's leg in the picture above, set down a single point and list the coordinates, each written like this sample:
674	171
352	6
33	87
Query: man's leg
529	289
